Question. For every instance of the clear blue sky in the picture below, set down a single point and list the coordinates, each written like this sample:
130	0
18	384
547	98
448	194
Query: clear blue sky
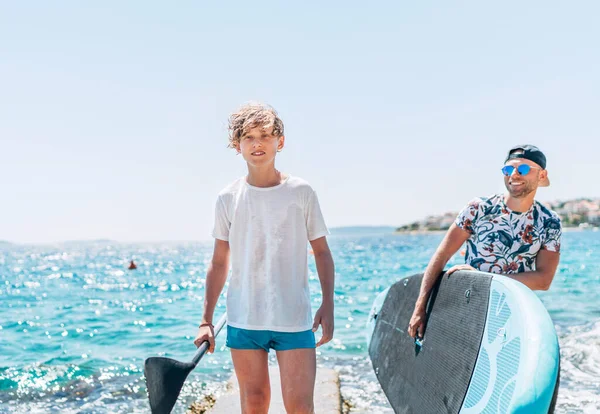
113	114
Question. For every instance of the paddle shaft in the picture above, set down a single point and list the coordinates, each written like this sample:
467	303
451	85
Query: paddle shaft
204	346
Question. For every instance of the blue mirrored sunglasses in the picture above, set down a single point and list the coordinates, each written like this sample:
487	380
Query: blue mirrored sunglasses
522	169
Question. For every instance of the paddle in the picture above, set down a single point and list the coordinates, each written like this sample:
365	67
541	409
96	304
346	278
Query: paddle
165	376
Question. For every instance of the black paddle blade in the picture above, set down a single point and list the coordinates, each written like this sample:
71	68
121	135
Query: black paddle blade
164	379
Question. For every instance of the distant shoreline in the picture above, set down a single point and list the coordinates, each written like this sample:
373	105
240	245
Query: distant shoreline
335	231
575	215
437	231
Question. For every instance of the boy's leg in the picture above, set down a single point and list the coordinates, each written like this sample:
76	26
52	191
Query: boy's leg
252	371
298	368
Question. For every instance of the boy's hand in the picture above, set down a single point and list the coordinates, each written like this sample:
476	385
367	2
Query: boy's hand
324	317
206	333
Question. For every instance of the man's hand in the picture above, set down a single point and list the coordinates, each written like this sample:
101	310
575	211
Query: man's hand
324	317
206	333
459	267
416	326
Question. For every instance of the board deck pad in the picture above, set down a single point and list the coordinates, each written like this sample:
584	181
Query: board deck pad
433	377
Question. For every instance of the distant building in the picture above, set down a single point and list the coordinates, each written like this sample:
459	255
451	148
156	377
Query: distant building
593	217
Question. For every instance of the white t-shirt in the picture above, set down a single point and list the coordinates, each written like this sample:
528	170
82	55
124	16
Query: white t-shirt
268	230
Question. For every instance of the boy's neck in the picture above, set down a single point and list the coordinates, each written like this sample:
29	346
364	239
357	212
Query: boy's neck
267	176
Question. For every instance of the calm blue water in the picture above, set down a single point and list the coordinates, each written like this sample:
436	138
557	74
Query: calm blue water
76	326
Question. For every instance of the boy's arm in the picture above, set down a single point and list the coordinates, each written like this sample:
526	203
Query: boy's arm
326	271
216	277
215	280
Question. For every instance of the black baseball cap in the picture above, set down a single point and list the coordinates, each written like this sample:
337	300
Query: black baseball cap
531	153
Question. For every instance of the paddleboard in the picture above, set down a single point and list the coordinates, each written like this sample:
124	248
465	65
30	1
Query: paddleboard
489	347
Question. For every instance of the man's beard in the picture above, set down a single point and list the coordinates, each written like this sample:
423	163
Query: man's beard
522	192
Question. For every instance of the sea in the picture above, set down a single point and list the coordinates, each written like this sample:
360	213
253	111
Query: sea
76	325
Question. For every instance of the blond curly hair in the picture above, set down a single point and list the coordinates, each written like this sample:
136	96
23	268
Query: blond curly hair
252	115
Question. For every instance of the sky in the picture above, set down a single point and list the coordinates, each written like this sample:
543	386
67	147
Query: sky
113	115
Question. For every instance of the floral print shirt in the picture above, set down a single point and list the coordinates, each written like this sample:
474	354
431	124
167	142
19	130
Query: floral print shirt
505	241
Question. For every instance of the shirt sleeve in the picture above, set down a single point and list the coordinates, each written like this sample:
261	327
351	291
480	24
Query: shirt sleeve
222	223
552	234
315	223
468	215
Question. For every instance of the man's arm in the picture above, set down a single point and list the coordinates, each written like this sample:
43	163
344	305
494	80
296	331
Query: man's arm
326	271
546	264
455	237
216	277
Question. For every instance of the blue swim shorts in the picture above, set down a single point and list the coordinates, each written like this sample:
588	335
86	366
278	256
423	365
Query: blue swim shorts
280	341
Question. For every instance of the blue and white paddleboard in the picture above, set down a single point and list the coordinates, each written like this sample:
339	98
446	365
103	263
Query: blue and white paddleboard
489	347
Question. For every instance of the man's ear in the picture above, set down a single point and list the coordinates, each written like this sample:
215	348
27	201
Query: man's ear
281	143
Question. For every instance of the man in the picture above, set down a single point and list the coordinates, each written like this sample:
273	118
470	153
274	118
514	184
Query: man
510	233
